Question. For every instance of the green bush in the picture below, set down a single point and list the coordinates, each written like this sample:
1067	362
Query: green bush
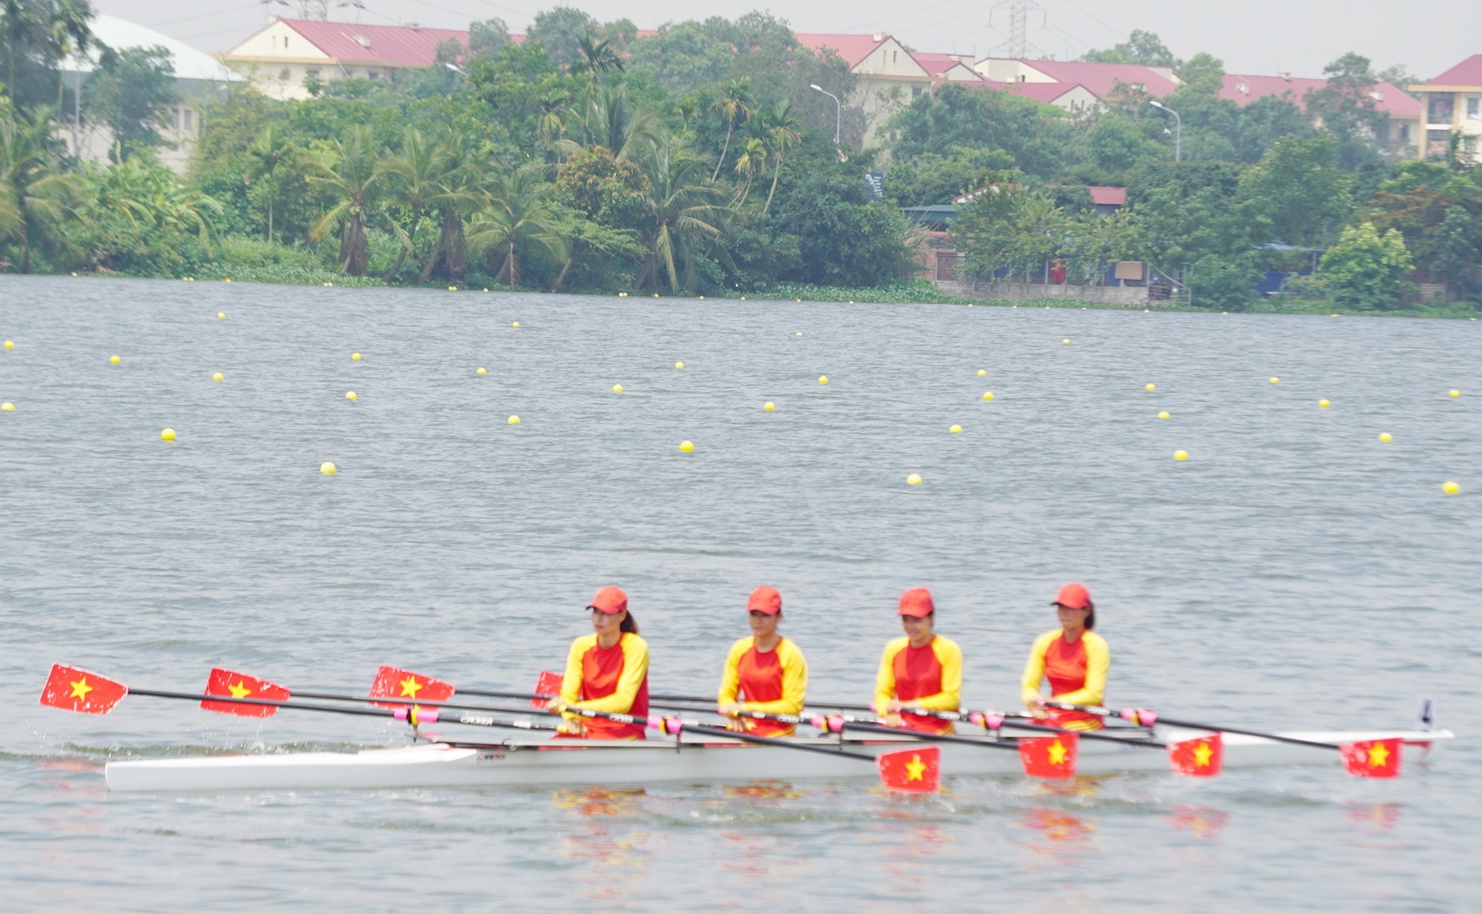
1366	270
1226	283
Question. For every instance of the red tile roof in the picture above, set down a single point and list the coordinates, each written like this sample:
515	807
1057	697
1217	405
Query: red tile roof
386	45
1101	78
1108	196
1244	89
1466	73
1047	93
853	48
937	64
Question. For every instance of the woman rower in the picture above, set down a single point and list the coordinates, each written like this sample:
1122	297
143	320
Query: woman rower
921	670
767	669
1074	659
606	671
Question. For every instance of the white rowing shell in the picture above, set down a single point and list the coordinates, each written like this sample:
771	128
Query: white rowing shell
522	762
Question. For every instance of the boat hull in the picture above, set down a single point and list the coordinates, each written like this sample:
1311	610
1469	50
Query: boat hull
524	762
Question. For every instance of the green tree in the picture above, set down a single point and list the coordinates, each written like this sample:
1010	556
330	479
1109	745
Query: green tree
137	217
521	218
782	134
1456	250
1226	283
1115	145
350	172
1095	242
560	31
1299	190
131	92
270	160
934	179
35	36
1036	136
685	216
412	177
1014	230
734	104
37	199
1346	108
1140	47
1365	269
1266	121
596	58
488	37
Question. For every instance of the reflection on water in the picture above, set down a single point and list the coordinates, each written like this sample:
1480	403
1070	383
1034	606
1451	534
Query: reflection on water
1199	821
611	851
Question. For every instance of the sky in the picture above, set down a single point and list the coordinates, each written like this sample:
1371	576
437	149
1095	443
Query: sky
1251	36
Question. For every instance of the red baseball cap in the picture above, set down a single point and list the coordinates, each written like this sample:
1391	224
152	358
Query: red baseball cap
765	600
610	600
1072	596
916	602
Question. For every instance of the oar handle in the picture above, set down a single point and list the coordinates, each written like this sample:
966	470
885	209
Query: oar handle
1148	718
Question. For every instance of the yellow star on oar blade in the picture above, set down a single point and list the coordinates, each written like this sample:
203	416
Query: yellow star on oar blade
1057	753
1202	754
1378	756
915	768
239	690
410	687
80	689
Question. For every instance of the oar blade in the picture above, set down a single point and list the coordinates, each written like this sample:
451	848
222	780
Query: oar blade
1372	758
1050	756
1200	757
548	683
77	690
911	770
228	684
393	682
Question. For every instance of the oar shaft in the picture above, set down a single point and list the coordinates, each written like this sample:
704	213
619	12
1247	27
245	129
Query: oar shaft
712	731
265	703
1276	737
930	737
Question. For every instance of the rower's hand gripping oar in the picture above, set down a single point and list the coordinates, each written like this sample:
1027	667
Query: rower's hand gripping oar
84	692
1370	758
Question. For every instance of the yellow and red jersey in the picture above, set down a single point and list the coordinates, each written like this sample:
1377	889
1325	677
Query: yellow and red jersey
771	681
1077	675
612	679
927	677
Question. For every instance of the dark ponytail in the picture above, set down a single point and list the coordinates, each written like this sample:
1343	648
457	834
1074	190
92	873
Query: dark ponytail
630	625
1090	616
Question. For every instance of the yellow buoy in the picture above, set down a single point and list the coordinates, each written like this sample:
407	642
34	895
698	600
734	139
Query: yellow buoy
799	333
327	468
982	373
486	290
769	406
514	420
956	429
702	298
221	315
1386	437
7	407
350	395
913	480
1454	393
515	324
987	395
167	435
1180	455
1163	415
617	388
622	295
1150	387
452	288
678	364
1276	380
217	377
11	345
354	356
114	359
1450	488
481	370
686	446
1067	339
1324	404
656	295
823	379
743	298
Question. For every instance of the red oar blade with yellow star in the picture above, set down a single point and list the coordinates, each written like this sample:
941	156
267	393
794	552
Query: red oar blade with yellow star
547	683
911	770
77	690
1372	758
392	682
228	684
1050	756
1200	757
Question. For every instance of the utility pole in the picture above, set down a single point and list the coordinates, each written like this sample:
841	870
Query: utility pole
1018	46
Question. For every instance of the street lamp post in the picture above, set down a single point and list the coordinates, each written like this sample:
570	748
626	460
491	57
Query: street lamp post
1178	128
838	109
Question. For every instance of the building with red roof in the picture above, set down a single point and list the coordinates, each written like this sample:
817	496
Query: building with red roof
1401	107
1452	104
1100	79
279	58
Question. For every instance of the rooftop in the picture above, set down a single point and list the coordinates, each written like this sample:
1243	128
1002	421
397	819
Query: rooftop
120	34
1467	73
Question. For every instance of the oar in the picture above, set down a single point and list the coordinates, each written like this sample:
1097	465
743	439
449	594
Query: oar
1370	758
83	692
228	683
917	771
995	720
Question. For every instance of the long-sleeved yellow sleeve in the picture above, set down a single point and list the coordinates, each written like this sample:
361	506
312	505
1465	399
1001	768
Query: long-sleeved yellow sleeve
730	680
794	678
1034	668
949	658
571	679
1098	662
885	677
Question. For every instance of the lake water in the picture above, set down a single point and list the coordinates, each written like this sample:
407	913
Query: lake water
1294	572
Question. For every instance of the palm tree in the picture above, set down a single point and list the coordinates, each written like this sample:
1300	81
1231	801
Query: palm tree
37	199
520	214
269	152
749	164
734	104
456	195
351	173
597	57
685	214
609	120
784	133
412	179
